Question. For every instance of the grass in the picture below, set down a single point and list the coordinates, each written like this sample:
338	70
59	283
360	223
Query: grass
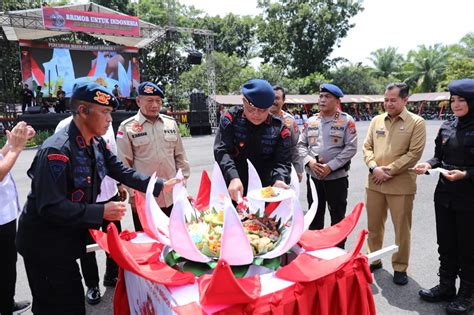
184	130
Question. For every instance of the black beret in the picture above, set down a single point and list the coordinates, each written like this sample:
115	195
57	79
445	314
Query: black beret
463	87
150	89
93	93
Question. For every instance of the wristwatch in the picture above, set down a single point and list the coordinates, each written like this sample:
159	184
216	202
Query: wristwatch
372	168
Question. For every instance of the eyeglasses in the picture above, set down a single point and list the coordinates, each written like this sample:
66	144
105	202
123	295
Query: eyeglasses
252	109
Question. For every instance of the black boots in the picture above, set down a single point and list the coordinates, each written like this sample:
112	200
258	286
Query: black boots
464	301
445	291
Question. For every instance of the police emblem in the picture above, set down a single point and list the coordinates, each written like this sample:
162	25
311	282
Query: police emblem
102	98
288	122
148	89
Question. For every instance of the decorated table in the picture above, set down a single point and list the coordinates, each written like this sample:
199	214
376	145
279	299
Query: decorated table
256	257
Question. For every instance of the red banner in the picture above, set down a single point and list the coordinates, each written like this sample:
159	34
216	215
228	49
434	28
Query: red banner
75	20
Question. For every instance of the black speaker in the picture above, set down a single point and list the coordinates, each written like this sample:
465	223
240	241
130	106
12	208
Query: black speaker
198	102
198	118
194	58
34	110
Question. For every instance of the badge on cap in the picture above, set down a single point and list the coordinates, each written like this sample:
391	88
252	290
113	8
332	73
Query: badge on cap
148	89
102	98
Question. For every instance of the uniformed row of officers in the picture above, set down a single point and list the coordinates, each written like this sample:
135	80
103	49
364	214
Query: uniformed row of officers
70	167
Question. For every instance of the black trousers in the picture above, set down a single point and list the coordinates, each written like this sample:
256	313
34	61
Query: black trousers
56	286
136	220
455	235
89	267
7	266
334	194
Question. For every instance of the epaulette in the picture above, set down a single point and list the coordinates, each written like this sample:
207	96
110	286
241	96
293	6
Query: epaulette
129	119
166	116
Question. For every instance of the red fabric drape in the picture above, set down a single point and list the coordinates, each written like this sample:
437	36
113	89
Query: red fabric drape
129	256
331	236
204	194
223	288
121	306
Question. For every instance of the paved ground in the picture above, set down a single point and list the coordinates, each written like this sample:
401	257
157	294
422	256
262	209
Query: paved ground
389	298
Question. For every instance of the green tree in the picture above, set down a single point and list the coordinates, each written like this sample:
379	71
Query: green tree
234	34
387	61
356	79
124	6
299	35
425	67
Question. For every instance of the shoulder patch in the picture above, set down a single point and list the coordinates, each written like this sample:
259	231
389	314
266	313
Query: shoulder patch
288	122
285	133
227	119
119	134
352	126
58	157
56	166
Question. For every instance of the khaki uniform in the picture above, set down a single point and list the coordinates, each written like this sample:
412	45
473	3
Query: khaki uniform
398	144
153	147
289	121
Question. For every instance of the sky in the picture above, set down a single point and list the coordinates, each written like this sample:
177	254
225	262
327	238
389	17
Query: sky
403	24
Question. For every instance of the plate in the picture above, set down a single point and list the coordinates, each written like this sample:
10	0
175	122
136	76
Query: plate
281	194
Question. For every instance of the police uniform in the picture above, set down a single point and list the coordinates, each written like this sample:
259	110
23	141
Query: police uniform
267	146
290	123
454	200
66	174
334	141
108	192
153	146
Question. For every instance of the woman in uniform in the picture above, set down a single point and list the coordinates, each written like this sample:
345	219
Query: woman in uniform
454	202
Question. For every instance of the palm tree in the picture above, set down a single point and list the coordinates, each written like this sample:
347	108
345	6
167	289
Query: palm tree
387	61
425	67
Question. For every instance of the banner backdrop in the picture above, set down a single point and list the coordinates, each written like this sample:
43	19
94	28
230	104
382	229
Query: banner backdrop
75	20
51	65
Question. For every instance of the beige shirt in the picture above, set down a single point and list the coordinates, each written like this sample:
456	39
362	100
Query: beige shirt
152	147
397	143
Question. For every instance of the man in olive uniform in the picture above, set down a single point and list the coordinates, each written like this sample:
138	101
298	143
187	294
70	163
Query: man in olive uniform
327	145
289	122
66	174
150	142
251	132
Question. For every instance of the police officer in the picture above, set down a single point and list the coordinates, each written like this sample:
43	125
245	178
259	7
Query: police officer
251	132
289	122
326	145
150	142
454	199
66	174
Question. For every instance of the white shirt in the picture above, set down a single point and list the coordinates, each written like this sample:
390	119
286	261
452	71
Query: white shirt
108	187
9	205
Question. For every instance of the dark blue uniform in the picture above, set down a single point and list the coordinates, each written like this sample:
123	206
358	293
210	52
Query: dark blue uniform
454	209
454	200
66	175
267	146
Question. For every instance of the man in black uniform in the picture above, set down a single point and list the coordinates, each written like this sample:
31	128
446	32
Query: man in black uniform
454	200
27	97
66	175
251	132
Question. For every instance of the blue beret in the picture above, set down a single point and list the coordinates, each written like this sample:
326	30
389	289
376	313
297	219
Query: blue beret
331	88
150	89
464	88
93	93
259	92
